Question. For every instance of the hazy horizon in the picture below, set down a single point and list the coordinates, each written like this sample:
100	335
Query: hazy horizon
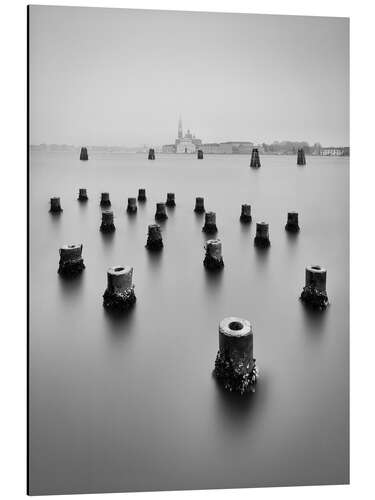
104	76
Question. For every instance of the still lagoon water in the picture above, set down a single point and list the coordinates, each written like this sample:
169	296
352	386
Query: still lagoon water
128	404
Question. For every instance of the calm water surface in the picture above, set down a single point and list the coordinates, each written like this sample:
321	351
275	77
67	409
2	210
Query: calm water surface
125	404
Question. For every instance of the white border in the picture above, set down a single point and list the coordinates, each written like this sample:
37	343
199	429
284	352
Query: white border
13	248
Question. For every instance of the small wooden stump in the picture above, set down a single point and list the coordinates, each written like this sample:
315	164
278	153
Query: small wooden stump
119	295
200	154
154	238
199	205
292	222
170	200
235	366
210	223
71	261
107	225
55	205
314	293
142	194
84	156
255	160
213	260
132	206
82	196
262	239
105	201
161	213
151	154
245	216
301	160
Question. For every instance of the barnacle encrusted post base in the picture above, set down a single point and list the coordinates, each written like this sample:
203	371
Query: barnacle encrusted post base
213	260
262	242
314	293
71	261
235	366
119	295
119	301
235	376
314	298
292	228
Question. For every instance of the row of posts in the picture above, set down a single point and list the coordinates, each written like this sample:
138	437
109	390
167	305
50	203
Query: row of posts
254	161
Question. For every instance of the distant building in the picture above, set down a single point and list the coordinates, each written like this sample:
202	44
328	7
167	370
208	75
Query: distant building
334	151
237	147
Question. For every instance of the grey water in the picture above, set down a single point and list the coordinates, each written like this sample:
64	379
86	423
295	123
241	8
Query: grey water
129	403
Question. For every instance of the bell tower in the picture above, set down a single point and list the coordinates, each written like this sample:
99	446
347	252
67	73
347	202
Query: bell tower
180	128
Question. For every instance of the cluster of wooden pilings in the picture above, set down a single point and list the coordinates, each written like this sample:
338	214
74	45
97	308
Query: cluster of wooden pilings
235	366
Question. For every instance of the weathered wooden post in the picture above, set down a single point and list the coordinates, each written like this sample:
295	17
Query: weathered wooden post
154	238
213	259
82	196
119	294
170	200
132	206
84	156
142	194
55	205
255	160
161	213
107	225
210	223
262	235
314	293
151	154
105	201
71	261
200	154
292	222
245	213
235	366
301	160
199	205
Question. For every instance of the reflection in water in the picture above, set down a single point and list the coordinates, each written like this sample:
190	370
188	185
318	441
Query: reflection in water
154	259
234	408
70	286
314	319
107	238
261	255
119	323
213	279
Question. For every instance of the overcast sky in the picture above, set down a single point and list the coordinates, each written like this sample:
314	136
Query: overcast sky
122	77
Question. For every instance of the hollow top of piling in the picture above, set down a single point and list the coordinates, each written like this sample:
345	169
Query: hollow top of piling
316	269
107	212
235	327
262	223
120	270
292	213
213	242
153	227
71	247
